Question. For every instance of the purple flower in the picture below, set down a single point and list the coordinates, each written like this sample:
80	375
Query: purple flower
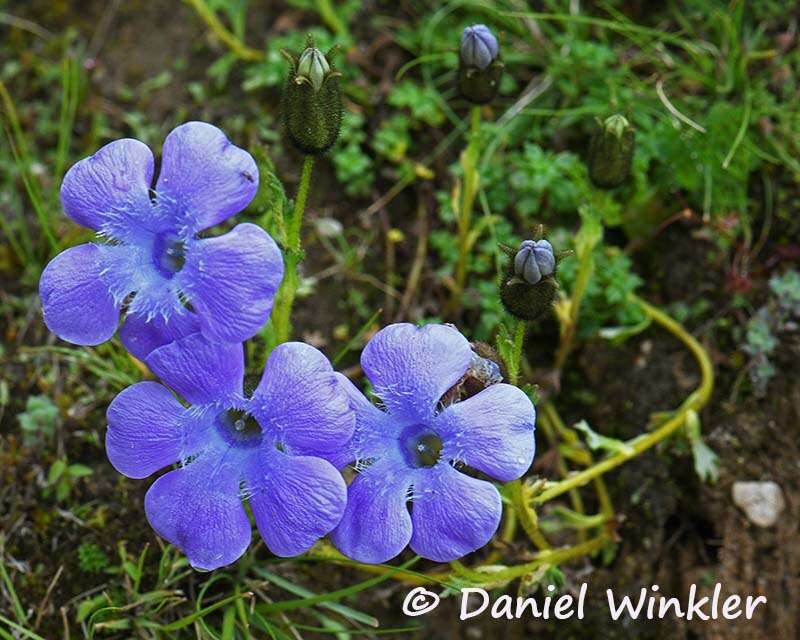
479	46
154	250
266	448
414	448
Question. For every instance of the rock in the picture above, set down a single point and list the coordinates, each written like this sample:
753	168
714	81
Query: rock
762	502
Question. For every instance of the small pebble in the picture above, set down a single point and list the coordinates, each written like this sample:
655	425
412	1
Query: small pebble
762	502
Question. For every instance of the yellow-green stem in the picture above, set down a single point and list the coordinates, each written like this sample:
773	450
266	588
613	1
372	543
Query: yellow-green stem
550	556
526	515
470	189
237	47
549	427
584	275
282	309
552	415
638	445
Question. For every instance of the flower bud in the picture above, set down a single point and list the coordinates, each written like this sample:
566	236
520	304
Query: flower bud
528	286
611	152
479	47
313	67
312	101
479	68
534	260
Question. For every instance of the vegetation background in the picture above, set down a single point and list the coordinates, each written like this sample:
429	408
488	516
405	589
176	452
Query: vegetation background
707	227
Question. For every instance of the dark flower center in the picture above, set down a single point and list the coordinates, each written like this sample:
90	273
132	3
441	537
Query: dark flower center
169	254
421	447
239	428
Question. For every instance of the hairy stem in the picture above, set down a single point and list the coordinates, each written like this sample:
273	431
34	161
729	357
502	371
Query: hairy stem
281	321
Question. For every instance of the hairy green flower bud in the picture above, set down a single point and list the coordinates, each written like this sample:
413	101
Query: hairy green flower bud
312	100
528	286
480	67
611	152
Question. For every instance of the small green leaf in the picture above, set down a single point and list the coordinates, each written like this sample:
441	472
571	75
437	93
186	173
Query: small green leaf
706	462
79	470
56	470
597	441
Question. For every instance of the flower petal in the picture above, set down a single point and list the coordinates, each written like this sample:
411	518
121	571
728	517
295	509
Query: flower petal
204	178
412	367
295	500
452	513
491	431
198	509
146	427
140	336
76	302
231	281
376	525
301	400
375	433
201	372
102	191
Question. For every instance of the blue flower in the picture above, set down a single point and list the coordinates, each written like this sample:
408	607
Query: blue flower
479	46
266	448
154	251
413	450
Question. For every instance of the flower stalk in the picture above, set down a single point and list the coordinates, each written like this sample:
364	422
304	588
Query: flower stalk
466	239
282	312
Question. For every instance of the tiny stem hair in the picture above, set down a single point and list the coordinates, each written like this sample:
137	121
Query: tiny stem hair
282	310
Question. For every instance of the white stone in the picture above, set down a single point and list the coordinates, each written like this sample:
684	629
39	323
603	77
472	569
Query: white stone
762	502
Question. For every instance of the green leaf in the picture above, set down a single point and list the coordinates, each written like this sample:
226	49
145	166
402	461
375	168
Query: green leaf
56	470
706	462
79	470
597	441
302	592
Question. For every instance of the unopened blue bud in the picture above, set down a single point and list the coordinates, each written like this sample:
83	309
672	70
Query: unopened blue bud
479	46
534	260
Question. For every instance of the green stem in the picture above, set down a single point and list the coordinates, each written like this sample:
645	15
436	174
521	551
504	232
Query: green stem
296	223
527	516
237	47
584	275
469	162
281	321
550	556
694	402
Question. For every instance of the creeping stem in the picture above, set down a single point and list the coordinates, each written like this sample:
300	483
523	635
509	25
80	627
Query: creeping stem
551	557
282	310
694	402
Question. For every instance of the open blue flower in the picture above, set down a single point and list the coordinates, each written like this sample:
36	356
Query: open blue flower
265	448
411	451
154	250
